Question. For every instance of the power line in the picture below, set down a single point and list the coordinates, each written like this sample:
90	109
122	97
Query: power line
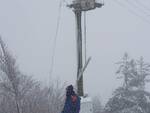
131	11
141	4
55	38
135	6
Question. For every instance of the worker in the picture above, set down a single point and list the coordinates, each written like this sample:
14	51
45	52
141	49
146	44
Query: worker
72	102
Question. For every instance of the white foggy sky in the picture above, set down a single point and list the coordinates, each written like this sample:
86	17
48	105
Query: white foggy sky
28	28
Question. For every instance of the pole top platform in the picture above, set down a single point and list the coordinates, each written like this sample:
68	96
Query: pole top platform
85	5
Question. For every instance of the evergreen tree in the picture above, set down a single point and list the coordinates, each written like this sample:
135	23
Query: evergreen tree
131	97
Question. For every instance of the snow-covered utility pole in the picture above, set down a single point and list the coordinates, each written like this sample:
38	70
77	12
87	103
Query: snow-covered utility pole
78	7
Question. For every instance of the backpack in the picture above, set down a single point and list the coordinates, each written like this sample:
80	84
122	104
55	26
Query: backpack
74	98
75	103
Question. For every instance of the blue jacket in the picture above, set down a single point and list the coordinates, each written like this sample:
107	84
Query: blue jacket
70	106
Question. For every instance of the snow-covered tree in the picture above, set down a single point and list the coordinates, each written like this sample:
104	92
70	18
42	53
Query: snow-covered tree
143	73
20	93
131	97
125	70
10	70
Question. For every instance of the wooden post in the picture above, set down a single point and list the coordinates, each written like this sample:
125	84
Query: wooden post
78	7
78	15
